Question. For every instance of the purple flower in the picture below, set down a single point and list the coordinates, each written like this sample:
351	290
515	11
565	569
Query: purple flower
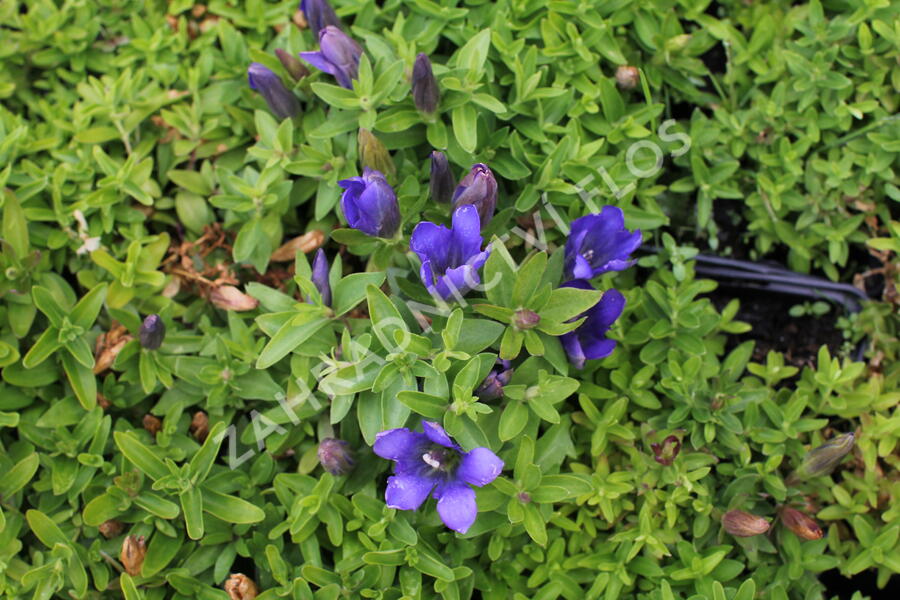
589	341
450	257
600	243
338	55
281	101
370	204
320	277
492	386
152	332
426	94
441	184
431	461
478	188
319	15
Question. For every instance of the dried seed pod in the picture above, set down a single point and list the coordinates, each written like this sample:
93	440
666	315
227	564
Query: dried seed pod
199	426
228	297
743	524
240	587
134	549
823	459
108	346
111	528
627	77
801	524
152	424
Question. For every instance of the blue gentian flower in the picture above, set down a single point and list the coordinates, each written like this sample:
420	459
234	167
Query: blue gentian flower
338	55
319	15
450	257
600	243
370	204
492	386
320	277
432	462
281	101
478	188
589	341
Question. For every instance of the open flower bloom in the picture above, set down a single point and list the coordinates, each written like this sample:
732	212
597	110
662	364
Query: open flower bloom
432	462
600	243
450	257
338	55
589	341
370	204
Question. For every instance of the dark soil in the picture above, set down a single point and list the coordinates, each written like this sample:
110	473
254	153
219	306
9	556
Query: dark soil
799	338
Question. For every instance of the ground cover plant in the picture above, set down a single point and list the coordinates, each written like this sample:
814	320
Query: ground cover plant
407	299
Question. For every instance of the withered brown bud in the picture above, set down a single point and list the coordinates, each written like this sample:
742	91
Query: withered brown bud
743	524
374	154
228	297
199	426
306	243
152	424
241	587
134	549
526	319
801	524
627	77
666	452
108	346
112	528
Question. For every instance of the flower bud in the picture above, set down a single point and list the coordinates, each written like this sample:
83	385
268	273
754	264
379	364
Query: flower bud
373	154
319	14
111	528
627	77
292	64
666	452
320	277
281	101
526	319
441	184
425	91
134	548
199	426
152	333
492	386
228	297
240	587
152	424
478	188
823	460
335	456
802	525
742	524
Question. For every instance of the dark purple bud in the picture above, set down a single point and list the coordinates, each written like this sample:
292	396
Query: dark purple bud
152	333
319	15
526	319
281	101
666	452
370	204
441	185
292	64
426	94
320	277
492	386
335	456
478	188
338	55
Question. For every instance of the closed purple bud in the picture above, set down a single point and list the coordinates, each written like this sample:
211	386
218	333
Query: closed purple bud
281	101
335	456
492	386
320	277
478	188
426	94
152	333
292	64
441	185
319	15
338	55
370	204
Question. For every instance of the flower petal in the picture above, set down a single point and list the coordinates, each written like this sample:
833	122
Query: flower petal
466	240
572	346
432	244
407	492
582	268
456	506
437	434
318	60
396	444
479	467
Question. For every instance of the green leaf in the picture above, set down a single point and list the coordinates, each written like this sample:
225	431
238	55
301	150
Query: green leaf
47	304
351	290
140	455
568	303
290	336
430	407
465	126
22	472
192	506
512	420
386	319
15	225
160	552
203	460
557	488
231	509
472	56
86	310
46	344
82	380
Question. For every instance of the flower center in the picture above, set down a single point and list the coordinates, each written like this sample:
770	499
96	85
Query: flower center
439	458
588	254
